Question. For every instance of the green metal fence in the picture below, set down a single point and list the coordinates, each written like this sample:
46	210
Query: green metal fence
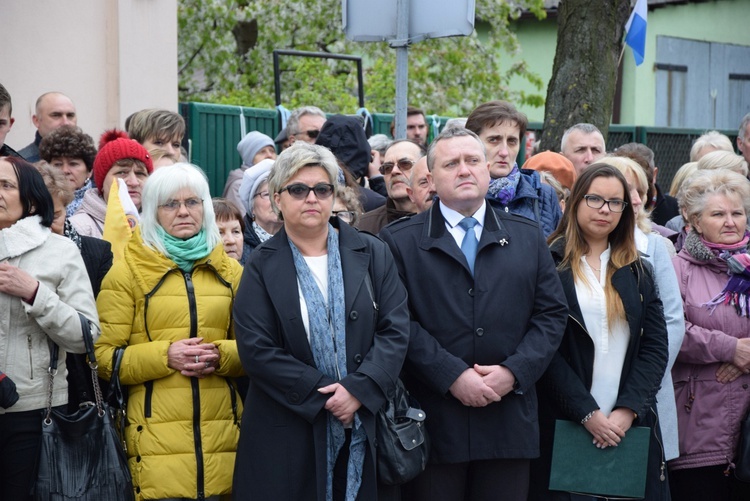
214	131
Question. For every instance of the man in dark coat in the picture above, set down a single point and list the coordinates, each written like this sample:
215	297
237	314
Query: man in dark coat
53	110
485	324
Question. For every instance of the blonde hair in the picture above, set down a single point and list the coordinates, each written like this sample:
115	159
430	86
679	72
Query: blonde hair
627	166
682	175
723	160
704	184
713	139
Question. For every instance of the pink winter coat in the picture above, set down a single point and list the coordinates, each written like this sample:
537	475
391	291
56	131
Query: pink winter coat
708	412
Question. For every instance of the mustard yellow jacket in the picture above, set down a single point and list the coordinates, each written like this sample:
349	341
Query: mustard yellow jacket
181	432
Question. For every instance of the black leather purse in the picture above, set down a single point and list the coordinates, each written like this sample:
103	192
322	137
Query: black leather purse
742	459
402	443
80	456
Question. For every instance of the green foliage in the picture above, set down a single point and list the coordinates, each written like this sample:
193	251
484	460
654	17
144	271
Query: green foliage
447	76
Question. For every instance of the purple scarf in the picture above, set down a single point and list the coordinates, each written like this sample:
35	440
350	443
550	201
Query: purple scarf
737	291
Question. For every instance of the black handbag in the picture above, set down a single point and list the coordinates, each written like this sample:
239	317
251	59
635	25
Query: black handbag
402	443
80	456
742	458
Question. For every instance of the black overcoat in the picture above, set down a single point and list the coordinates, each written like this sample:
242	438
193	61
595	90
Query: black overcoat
564	390
282	449
511	313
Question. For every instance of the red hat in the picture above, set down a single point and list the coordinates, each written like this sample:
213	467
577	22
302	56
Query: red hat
115	145
560	167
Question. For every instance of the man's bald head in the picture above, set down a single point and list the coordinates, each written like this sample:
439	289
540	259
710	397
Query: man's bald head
53	109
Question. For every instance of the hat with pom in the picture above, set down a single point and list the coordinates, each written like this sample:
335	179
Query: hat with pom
115	145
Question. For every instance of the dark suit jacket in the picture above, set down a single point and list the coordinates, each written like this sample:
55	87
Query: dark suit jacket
282	447
512	313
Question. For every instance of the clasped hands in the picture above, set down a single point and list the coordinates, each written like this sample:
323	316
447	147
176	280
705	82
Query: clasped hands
609	431
341	404
483	384
192	357
740	364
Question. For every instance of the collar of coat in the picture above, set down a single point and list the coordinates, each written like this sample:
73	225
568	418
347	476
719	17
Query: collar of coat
26	234
493	231
149	267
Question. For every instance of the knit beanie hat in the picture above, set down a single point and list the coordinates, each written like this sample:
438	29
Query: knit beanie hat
252	178
346	138
560	167
115	145
251	144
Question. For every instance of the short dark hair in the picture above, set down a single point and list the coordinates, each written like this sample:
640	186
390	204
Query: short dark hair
225	210
410	111
5	99
492	113
68	141
34	195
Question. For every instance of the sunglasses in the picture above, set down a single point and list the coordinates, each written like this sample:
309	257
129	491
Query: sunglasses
300	191
403	165
312	134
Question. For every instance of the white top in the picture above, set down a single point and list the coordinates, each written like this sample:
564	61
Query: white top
610	341
452	218
319	267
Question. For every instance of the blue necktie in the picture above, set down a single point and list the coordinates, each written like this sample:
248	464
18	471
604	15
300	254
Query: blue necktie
470	243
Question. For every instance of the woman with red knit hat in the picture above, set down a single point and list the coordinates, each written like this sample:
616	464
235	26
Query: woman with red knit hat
118	157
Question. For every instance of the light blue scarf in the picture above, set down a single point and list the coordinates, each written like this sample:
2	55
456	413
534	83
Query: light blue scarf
185	252
328	343
78	197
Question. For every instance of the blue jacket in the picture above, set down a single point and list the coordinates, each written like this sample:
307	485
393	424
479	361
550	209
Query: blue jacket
534	200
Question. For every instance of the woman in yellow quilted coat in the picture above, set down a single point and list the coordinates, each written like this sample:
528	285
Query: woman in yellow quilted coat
169	303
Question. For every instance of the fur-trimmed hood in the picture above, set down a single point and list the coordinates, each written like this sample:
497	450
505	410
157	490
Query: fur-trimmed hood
26	234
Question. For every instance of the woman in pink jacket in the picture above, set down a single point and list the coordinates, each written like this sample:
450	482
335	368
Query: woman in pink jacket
711	375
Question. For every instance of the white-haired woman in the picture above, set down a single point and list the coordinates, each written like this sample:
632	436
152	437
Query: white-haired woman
169	302
322	329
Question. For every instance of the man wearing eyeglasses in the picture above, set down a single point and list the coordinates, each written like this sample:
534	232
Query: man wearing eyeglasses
304	124
396	168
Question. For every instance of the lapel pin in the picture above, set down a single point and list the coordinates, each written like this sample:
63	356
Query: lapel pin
503	242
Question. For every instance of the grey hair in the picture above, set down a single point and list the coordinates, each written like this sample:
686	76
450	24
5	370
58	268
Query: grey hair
583	127
379	143
743	127
450	134
704	184
161	186
296	157
292	125
712	138
455	122
720	159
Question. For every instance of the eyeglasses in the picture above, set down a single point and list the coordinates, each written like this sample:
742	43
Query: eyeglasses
301	191
190	204
403	165
312	133
347	216
597	202
263	194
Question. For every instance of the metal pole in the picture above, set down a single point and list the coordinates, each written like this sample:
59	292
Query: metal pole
402	66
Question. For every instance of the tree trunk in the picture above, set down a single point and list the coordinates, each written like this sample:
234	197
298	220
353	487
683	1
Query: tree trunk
584	75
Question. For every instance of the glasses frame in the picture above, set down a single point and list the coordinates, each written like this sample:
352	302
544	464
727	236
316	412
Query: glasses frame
605	202
344	214
387	167
169	207
312	133
308	189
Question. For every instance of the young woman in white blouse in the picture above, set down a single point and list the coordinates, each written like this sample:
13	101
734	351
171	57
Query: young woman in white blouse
612	358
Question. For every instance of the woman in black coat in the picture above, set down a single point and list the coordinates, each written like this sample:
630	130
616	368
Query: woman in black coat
610	363
322	330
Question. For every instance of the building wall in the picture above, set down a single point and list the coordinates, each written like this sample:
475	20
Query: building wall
722	21
111	57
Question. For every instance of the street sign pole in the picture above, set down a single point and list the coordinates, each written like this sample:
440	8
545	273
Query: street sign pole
401	44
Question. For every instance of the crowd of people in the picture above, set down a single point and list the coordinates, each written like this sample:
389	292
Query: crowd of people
259	334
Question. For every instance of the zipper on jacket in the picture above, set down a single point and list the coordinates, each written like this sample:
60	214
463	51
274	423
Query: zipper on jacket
149	385
663	462
31	365
195	386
